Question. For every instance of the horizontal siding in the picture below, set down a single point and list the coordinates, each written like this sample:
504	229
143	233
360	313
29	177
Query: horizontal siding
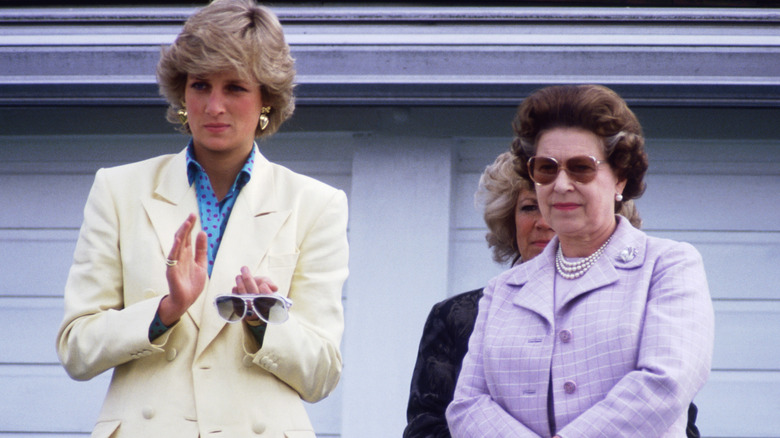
740	265
704	202
22	252
740	344
40	398
740	404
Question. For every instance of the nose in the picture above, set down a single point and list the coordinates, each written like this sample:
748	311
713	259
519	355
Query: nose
541	223
563	181
216	103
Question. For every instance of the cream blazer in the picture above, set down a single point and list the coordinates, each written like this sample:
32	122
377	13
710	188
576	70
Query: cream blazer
205	377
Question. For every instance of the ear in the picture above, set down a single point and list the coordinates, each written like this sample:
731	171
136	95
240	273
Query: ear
620	186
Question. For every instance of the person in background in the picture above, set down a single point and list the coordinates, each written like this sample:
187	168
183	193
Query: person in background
517	232
608	332
210	280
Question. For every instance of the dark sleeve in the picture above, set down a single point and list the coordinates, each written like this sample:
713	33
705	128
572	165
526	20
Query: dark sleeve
258	332
691	431
157	328
442	347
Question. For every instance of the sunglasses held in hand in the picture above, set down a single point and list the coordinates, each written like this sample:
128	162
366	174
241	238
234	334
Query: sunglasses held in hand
271	308
582	169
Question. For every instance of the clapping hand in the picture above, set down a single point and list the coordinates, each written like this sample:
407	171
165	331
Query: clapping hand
186	272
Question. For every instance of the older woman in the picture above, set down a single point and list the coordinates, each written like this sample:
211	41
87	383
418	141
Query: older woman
517	232
166	239
608	332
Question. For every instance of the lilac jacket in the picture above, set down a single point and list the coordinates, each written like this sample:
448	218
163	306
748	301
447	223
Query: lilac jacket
627	345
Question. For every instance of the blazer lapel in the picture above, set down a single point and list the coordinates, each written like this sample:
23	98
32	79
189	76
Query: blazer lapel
626	250
601	274
536	280
254	223
170	204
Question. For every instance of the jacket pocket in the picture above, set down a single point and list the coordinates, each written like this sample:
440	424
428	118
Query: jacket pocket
281	268
106	429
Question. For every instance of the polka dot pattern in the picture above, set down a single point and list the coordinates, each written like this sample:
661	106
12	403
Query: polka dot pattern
157	328
214	214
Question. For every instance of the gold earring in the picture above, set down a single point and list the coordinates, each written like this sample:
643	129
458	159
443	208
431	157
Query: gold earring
182	113
264	118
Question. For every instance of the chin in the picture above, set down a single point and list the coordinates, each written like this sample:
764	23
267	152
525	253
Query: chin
565	226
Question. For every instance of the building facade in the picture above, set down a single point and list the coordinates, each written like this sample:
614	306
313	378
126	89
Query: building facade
403	107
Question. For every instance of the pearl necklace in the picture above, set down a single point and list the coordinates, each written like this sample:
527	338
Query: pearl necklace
572	270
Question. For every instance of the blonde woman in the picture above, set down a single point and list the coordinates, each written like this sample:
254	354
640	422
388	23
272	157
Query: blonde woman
166	239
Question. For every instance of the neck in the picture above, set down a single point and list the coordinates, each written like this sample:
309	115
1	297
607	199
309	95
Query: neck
583	246
222	169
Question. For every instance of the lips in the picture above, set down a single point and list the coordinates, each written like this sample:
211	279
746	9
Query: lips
565	206
216	127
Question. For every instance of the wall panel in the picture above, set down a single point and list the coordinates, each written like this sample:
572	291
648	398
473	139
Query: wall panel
740	404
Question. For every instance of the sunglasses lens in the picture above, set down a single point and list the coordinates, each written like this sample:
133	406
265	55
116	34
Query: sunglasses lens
543	170
581	169
230	308
270	309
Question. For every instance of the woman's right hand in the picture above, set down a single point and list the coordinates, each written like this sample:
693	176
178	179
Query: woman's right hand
186	273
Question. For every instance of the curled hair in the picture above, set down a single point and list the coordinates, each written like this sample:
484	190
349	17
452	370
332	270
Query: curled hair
499	188
594	108
629	211
231	35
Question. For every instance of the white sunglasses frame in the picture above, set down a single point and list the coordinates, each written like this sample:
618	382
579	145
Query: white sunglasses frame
249	306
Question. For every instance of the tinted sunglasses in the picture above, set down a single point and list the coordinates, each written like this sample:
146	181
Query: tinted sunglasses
582	168
271	308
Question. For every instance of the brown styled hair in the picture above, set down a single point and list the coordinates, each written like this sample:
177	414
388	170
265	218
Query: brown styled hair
594	108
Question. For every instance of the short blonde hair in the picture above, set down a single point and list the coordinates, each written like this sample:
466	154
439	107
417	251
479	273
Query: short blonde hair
231	35
499	187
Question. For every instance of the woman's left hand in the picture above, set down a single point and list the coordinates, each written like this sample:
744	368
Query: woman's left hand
246	284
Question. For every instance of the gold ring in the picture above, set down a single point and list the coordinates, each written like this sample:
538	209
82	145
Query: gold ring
170	262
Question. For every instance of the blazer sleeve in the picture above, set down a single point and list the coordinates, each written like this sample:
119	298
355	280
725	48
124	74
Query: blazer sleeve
304	351
675	354
99	331
473	413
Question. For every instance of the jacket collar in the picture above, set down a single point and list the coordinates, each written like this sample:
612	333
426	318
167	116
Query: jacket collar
536	278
